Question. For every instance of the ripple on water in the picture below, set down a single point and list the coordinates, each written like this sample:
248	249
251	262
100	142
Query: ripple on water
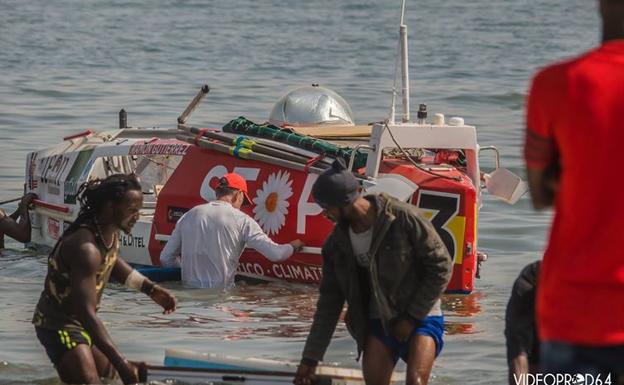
18	374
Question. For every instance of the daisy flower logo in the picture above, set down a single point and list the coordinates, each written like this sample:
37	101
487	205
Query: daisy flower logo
271	202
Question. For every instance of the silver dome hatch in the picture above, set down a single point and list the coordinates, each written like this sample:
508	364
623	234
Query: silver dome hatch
310	106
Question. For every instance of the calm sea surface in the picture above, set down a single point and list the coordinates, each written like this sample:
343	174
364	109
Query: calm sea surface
69	65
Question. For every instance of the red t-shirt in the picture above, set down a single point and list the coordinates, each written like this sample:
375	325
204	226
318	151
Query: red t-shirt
576	116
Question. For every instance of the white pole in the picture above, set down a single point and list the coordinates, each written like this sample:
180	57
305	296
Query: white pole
396	69
392	108
405	72
402	11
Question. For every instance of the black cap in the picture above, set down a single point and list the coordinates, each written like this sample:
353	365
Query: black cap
336	187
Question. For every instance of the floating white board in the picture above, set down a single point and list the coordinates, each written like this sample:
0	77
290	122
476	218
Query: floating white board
184	366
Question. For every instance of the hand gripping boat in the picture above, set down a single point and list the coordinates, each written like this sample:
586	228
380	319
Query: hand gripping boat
433	164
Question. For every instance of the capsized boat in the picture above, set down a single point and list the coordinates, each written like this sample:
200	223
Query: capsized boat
433	165
430	163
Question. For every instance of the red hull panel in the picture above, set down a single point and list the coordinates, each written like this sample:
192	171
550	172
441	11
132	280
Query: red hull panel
284	208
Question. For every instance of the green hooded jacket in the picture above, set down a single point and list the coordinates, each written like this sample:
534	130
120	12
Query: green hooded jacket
409	270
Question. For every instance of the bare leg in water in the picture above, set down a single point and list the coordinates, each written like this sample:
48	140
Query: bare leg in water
378	362
78	366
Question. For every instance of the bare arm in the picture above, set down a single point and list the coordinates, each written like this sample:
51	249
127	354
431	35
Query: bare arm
84	259
17	229
543	168
18	223
520	334
170	255
257	239
518	366
328	308
121	272
3	215
16	213
543	186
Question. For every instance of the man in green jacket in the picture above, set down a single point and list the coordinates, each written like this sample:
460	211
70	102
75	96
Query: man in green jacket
391	267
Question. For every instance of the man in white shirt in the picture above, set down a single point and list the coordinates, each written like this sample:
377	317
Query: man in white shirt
209	239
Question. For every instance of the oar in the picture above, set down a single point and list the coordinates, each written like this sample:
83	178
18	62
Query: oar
10	201
247	143
246	153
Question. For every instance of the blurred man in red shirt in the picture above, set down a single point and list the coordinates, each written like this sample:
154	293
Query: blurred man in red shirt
575	130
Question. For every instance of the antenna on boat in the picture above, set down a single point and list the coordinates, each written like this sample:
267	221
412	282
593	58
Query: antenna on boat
402	52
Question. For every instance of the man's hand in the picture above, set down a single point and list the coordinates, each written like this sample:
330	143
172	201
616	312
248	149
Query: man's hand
128	372
164	298
297	245
27	200
403	329
305	375
141	370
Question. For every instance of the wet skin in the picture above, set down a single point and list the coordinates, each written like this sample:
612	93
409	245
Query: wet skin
17	225
79	250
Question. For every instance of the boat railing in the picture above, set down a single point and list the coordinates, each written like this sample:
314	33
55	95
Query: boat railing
411	135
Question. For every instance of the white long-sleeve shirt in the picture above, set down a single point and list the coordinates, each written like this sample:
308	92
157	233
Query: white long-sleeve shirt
208	241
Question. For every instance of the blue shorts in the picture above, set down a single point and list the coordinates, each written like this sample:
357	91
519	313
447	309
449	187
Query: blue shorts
432	326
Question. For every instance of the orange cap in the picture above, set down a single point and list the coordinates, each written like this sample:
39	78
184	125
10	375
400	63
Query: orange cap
233	180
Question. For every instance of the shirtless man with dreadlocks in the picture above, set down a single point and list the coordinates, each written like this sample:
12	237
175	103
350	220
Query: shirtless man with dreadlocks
79	267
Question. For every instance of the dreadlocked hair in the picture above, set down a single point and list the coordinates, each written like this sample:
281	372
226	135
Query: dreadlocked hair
94	194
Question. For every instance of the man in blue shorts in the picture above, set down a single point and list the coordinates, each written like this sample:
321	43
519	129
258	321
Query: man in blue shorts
388	263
